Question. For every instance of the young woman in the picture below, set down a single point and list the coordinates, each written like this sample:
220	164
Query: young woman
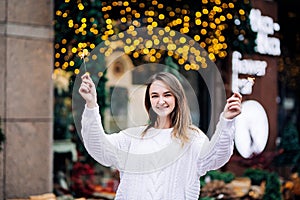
165	159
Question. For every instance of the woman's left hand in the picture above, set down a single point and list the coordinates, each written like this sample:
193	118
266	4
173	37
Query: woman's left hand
233	106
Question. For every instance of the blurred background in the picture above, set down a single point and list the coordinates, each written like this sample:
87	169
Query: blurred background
45	45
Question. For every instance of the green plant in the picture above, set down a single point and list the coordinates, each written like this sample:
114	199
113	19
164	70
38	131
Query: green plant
227	177
272	191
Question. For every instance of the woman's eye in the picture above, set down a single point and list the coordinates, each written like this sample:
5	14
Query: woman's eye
154	96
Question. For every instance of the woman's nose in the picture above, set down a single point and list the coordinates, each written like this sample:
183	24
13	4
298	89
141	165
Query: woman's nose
161	101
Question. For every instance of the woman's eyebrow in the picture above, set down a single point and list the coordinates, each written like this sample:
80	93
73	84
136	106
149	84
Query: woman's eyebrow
166	92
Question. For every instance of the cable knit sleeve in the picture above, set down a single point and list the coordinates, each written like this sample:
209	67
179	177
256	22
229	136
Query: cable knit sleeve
102	147
216	152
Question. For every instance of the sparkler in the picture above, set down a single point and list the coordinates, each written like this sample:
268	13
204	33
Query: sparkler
83	54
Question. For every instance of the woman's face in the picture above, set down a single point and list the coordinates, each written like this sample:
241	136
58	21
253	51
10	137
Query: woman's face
161	98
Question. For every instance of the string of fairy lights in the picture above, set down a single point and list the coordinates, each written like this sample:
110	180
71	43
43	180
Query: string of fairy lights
215	25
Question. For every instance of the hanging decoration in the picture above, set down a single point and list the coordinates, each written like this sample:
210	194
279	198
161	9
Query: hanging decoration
218	26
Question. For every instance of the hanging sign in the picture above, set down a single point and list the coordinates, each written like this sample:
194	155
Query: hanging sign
264	26
252	125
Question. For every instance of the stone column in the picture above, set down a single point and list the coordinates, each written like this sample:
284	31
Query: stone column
26	63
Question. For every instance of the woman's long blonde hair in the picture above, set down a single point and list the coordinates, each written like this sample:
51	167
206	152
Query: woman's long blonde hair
180	117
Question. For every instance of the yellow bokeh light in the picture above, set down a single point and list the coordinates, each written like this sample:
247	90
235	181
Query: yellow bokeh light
170	53
108	21
211	56
125	3
222	18
80	6
104	37
161	16
56	64
205	11
186	18
127	49
145	51
221	38
229	16
217	21
65	65
161	32
212	25
63	50
74	50
172	33
72	63
76	71
94	57
241	12
135	54
165	39
123	19
178	21
158	55
204	65
152	58
154	24
92	46
160	6
203	31
137	15
171	14
148	44
231	5
136	42
149	19
198	22
197	38
128	9
128	40
198	14
182	40
58	13
187	67
181	61
156	41
185	30
100	74
167	29
142	5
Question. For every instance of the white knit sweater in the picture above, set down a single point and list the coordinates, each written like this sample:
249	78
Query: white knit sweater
157	166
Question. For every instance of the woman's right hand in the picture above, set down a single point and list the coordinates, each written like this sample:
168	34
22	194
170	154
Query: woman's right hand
88	91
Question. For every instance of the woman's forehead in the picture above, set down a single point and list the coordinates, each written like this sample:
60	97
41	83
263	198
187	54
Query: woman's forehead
159	85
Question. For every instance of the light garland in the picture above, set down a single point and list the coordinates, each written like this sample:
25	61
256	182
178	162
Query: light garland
205	22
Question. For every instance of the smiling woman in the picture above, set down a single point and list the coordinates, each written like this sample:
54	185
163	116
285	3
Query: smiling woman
163	103
165	158
166	104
